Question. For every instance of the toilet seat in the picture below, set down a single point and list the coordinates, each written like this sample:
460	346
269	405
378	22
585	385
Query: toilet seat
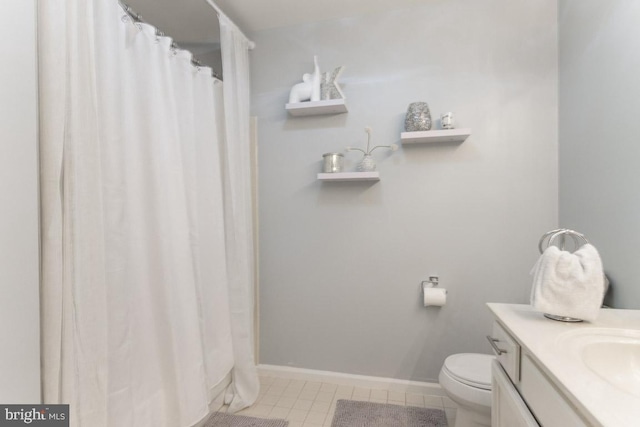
466	379
471	369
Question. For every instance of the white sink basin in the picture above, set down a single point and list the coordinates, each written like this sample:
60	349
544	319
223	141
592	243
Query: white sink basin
611	354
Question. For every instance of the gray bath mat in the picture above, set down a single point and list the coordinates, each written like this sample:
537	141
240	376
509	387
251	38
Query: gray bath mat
220	419
350	413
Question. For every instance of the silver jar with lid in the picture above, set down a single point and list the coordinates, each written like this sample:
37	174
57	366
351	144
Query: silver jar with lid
333	162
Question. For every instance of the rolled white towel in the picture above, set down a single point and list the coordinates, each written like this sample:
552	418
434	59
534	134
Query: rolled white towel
568	284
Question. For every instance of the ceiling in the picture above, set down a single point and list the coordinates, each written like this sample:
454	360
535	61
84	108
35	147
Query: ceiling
195	22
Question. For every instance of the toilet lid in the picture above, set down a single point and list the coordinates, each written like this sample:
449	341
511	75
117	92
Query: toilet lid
471	369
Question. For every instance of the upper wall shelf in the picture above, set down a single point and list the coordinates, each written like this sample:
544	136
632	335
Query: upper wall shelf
317	108
429	136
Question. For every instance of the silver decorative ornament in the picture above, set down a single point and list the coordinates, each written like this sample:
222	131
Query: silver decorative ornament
329	87
418	117
367	164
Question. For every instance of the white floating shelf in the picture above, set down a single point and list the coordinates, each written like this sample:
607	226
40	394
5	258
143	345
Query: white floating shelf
429	136
317	108
349	176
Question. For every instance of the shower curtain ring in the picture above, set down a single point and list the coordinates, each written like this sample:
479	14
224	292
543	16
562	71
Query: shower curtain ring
159	34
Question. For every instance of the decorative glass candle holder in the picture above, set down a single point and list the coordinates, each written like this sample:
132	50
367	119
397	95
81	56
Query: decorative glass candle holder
418	117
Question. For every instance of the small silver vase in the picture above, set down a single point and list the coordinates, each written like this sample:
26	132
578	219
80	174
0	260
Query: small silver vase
418	117
367	164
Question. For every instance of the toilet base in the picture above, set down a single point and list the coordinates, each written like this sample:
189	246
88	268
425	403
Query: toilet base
467	418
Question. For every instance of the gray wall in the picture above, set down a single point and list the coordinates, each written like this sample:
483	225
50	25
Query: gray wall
19	267
600	134
341	263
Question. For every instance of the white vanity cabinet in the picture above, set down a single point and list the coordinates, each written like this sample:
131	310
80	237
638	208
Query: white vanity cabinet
507	407
522	394
555	374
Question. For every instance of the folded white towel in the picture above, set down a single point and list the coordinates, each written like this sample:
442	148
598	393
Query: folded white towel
568	284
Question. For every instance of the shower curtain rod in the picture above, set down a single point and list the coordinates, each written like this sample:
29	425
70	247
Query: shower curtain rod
219	11
136	17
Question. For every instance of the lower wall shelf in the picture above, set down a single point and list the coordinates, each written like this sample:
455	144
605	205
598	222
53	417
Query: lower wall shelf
349	176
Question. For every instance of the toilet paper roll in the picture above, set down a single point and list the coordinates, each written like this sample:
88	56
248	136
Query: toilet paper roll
435	297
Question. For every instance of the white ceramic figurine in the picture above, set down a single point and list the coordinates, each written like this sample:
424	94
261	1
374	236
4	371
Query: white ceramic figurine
309	89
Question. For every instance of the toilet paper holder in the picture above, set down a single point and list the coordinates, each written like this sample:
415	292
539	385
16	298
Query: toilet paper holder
432	282
432	295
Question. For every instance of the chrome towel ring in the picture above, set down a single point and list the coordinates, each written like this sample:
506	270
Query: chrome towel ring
549	238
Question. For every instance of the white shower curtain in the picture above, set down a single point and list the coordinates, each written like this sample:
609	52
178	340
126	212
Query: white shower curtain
137	305
238	208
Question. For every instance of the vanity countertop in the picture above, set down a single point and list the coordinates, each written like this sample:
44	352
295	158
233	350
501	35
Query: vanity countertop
599	402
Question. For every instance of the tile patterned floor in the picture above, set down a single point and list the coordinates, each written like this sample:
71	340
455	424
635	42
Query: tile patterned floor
312	404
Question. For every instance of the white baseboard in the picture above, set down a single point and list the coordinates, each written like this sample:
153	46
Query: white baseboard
350	379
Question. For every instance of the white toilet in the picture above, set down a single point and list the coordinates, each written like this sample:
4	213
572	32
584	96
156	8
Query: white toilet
466	378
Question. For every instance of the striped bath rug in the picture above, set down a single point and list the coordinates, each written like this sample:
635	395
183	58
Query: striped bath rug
220	419
350	413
